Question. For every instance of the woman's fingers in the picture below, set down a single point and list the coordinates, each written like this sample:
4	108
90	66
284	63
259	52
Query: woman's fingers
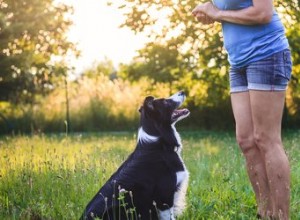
203	18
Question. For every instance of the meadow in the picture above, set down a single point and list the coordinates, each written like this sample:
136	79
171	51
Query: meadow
54	176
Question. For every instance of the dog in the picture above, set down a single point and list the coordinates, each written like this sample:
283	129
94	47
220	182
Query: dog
152	182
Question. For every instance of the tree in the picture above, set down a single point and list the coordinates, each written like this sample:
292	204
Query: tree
32	33
184	40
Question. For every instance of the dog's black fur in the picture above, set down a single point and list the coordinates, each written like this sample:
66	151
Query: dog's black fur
149	179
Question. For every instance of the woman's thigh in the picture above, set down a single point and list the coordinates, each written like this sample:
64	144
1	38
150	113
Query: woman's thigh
267	110
241	107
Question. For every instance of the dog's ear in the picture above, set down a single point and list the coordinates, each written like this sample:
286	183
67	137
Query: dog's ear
148	103
140	109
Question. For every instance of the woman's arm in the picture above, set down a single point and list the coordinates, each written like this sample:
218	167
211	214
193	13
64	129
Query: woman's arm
260	13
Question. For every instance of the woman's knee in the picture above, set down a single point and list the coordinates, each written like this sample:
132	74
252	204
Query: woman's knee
265	141
246	143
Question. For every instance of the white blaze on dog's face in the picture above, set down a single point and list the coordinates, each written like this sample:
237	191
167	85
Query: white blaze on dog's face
178	97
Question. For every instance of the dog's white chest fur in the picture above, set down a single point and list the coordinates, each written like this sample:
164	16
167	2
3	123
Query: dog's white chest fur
182	184
181	176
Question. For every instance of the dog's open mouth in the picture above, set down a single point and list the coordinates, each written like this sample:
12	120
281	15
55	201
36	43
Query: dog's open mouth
180	114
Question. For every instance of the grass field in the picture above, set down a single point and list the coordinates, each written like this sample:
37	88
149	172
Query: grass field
53	177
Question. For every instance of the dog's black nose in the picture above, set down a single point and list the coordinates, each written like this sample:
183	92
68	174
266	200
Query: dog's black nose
181	93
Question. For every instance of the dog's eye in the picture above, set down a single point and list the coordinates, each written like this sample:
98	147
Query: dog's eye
167	103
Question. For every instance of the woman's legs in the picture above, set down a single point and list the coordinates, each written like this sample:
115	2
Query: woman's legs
267	109
258	117
258	114
255	162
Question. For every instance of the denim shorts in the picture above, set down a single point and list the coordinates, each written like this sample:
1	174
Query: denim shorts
270	74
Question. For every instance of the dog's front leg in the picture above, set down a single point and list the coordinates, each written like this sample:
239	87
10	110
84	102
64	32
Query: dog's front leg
167	214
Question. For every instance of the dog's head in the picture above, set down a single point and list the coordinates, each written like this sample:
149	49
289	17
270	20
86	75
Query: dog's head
158	117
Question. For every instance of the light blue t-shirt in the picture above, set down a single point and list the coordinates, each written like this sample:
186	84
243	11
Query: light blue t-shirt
248	43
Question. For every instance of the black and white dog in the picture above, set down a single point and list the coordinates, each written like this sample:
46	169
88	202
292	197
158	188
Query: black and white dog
153	180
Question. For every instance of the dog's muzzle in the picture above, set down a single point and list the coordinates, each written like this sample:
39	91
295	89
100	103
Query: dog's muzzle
179	114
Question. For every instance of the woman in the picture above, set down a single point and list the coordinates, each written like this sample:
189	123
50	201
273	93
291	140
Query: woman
260	69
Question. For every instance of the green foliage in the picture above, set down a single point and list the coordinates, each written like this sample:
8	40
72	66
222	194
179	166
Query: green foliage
161	64
181	45
32	33
54	177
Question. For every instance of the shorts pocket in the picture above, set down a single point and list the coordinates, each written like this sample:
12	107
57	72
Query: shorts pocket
283	67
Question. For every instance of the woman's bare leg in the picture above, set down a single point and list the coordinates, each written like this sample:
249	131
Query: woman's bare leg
255	162
267	109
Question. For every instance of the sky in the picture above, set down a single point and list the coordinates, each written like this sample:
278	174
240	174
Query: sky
98	36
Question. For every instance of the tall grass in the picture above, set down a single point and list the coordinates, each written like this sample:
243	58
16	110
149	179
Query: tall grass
53	177
95	104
